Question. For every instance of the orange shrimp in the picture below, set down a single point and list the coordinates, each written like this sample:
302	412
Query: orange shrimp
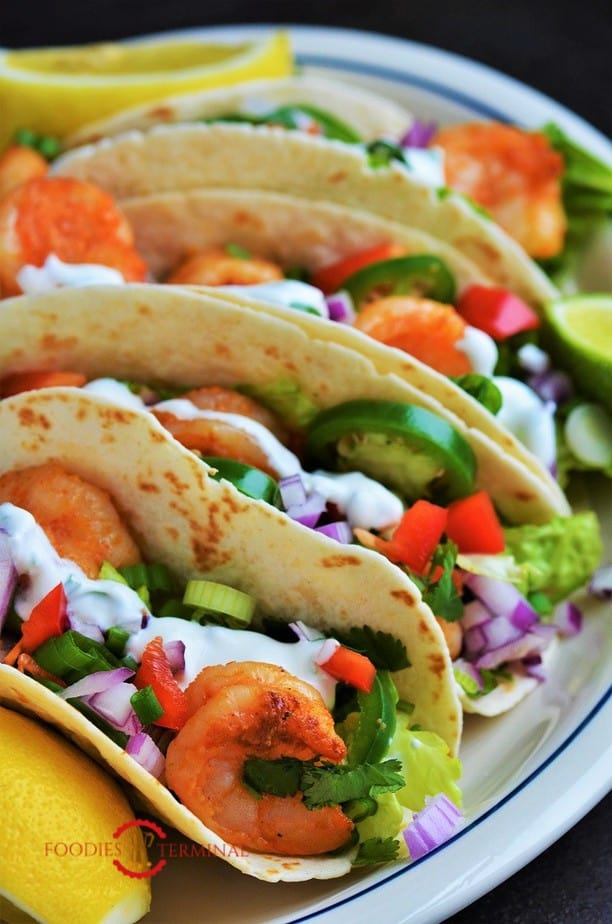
79	518
75	220
218	437
18	382
513	174
249	709
217	267
453	636
426	329
18	164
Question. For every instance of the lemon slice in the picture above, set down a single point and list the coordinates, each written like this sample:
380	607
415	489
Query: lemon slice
60	811
580	339
56	90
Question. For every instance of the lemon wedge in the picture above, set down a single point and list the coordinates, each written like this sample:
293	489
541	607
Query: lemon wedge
580	339
54	801
56	90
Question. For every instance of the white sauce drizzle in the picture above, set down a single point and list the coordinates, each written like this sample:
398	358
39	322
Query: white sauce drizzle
285	292
426	165
480	349
528	418
55	274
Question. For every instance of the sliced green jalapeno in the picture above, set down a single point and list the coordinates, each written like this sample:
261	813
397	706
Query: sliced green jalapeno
425	276
248	480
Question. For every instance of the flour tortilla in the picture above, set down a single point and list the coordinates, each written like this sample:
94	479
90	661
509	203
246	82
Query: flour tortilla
369	114
171	335
186	157
182	517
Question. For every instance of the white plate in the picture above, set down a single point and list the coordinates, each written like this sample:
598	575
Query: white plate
529	775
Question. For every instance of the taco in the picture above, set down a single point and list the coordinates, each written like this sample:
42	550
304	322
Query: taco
305	102
251	387
87	491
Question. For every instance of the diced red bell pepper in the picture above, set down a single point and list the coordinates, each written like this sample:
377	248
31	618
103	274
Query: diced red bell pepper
330	278
351	667
31	381
418	534
155	671
497	312
48	618
473	525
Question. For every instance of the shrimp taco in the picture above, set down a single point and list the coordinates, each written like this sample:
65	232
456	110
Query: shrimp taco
299	421
203	647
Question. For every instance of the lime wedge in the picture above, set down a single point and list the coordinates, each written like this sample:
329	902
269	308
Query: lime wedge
580	340
53	91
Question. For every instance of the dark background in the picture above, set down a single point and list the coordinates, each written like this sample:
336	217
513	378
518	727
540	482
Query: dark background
561	49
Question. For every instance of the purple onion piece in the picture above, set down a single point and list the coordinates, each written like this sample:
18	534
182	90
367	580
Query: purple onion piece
419	134
341	308
553	385
534	668
600	584
308	513
97	682
8	578
502	598
475	614
514	650
306	633
466	667
88	629
292	491
567	618
144	751
175	652
114	705
340	531
474	640
500	631
523	616
432	826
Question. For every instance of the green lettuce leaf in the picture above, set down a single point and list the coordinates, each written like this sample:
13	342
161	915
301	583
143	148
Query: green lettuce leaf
428	766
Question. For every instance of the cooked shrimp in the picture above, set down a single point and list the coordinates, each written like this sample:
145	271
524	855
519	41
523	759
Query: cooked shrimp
79	518
453	636
18	164
513	174
217	267
75	220
219	437
249	709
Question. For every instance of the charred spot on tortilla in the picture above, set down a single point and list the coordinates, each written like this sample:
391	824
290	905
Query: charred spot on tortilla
30	420
173	480
340	561
173	532
148	487
437	664
405	596
157	436
221	349
244	219
273	351
161	112
52	342
144	310
338	177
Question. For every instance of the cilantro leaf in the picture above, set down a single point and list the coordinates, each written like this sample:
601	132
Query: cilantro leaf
441	595
385	651
278	777
335	784
377	850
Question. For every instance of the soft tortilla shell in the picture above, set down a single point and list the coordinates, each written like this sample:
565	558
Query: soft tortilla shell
200	527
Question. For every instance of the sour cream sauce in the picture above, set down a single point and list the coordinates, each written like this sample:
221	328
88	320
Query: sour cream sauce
286	292
528	418
55	274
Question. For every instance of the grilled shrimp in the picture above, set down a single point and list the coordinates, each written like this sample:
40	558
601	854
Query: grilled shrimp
76	221
79	518
513	174
18	164
217	267
249	709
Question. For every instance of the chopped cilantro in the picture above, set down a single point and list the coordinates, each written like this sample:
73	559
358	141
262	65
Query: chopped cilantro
385	651
440	594
235	250
377	850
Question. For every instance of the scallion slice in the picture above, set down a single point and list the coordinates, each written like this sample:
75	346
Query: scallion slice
220	600
116	639
146	705
154	577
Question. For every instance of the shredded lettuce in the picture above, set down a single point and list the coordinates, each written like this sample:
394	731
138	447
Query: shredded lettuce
561	554
428	766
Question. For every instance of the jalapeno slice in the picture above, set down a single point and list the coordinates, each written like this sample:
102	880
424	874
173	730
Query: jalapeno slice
408	448
248	480
291	117
424	276
369	740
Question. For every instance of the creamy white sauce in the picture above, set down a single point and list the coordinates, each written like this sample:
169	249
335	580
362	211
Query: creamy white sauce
285	292
364	502
96	603
55	274
426	164
480	349
532	358
209	645
116	392
528	418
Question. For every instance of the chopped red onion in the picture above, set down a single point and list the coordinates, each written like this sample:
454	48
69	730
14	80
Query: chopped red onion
341	308
567	618
340	531
326	651
8	578
553	385
474	614
419	134
534	668
513	650
306	633
96	682
175	652
308	513
500	631
601	582
502	598
114	705
88	629
292	491
145	752
523	616
474	640
432	826
466	667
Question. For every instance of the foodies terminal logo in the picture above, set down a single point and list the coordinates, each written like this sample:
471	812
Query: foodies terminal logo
160	849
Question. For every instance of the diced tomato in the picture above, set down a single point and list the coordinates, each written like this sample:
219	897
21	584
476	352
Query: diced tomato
330	278
155	671
30	381
473	525
48	618
495	311
418	534
351	667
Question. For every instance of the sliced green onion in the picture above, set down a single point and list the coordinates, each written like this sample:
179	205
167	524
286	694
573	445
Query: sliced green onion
360	809
146	705
72	656
108	572
116	640
153	577
219	599
177	608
